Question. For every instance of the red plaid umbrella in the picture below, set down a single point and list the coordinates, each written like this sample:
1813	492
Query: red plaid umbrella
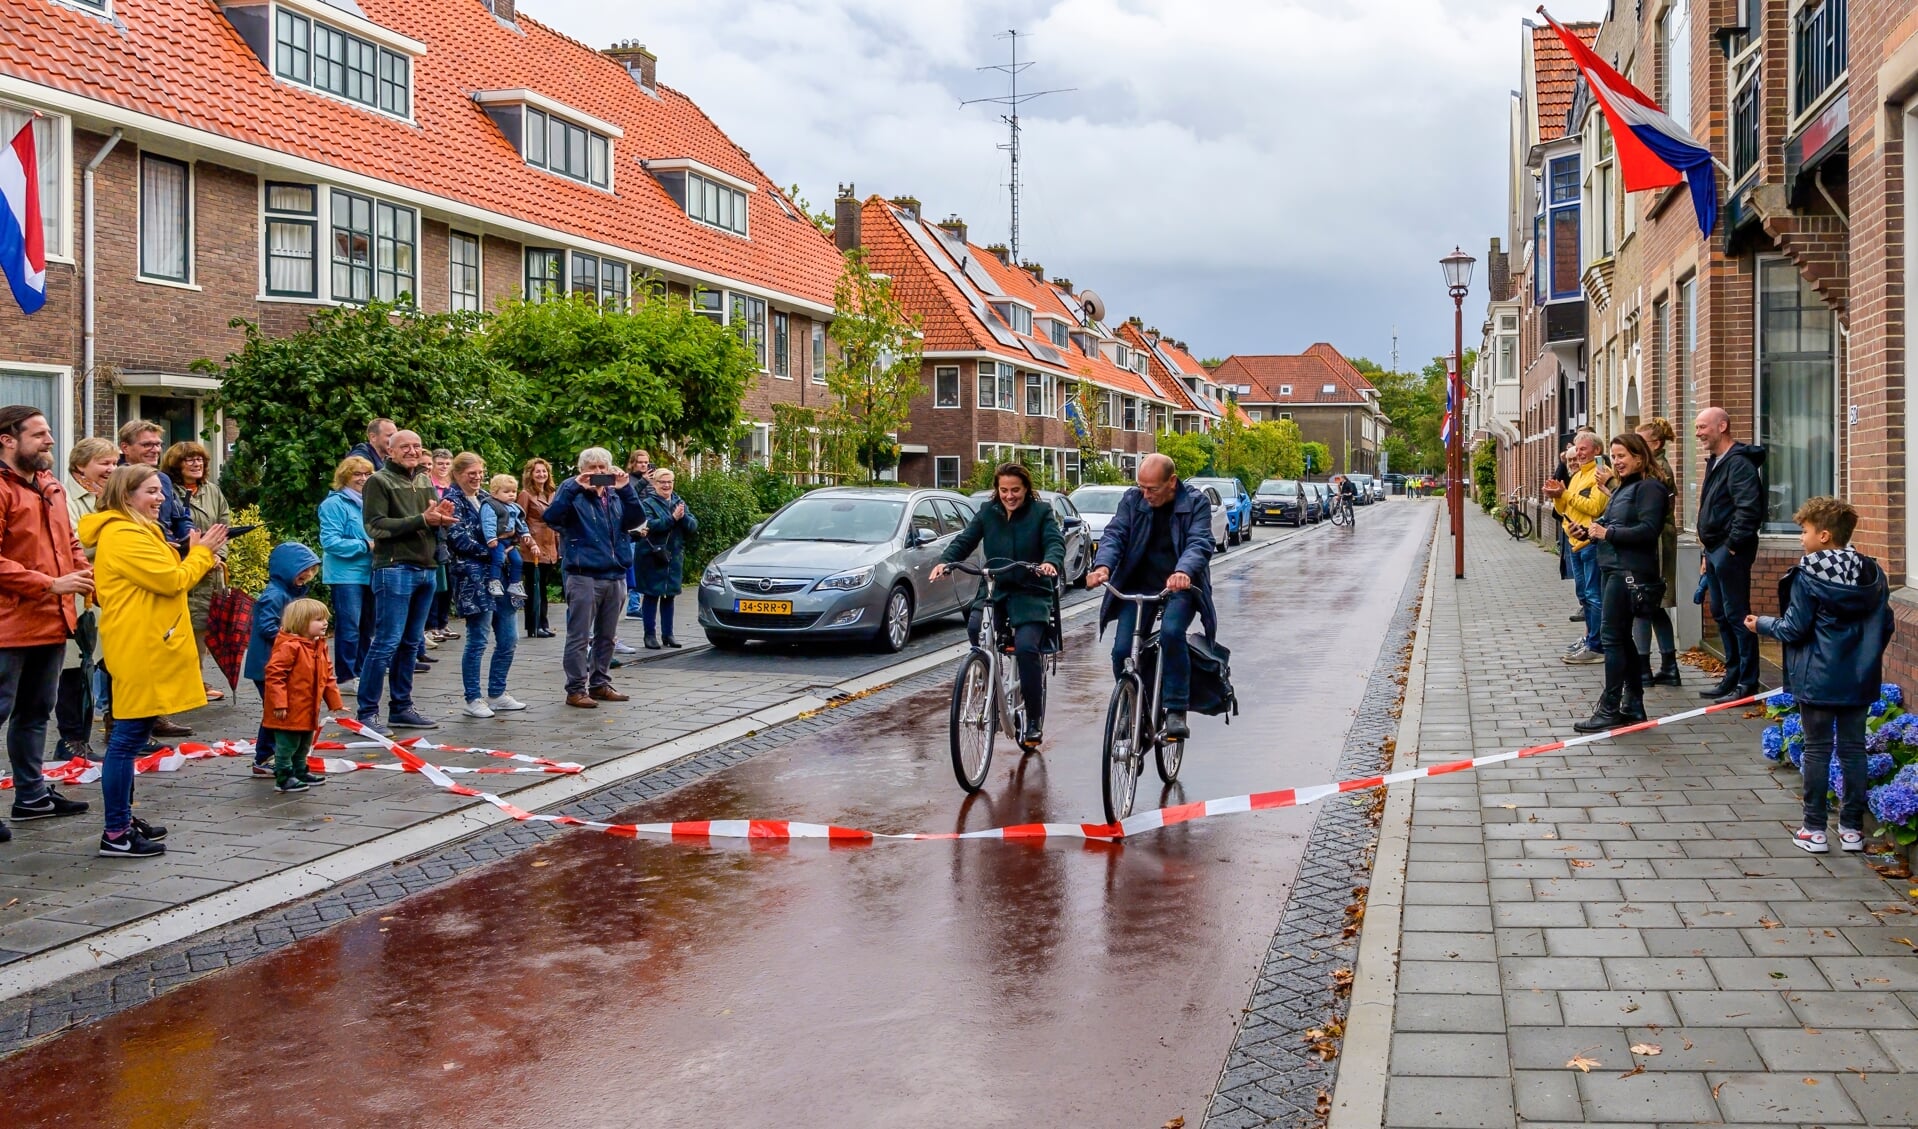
229	626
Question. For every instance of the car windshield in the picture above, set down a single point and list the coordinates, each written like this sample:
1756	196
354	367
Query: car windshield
1274	486
1097	501
1228	488
863	521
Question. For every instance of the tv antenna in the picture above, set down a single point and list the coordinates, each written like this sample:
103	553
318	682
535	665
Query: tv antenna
1012	101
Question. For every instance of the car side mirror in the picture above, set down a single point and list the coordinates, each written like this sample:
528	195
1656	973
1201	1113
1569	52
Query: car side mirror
923	537
754	531
1072	523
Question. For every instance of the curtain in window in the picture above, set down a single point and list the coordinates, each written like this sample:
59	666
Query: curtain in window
290	257
50	152
1796	376
163	218
34	389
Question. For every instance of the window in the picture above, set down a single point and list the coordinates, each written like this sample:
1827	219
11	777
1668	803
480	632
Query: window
1818	52
1282	415
1562	210
1016	316
1675	39
1254	414
749	321
782	348
1008	387
50	151
586	275
327	59
945	468
166	237
396	271
292	239
464	271
614	287
945	386
1328	390
711	202
819	362
572	151
1685	341
1061	335
988	384
352	247
1797	367
1102	410
710	303
1131	414
544	273
1071	470
1285	389
1745	116
1038	394
1600	198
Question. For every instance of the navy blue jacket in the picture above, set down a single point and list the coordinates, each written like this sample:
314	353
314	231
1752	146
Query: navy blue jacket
594	539
1123	545
1834	635
364	449
465	541
283	568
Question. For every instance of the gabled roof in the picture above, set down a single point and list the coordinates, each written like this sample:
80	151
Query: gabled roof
181	61
1555	76
1170	365
950	285
1306	374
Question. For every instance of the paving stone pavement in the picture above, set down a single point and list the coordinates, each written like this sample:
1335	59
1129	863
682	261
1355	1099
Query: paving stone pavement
1271	1074
1643	892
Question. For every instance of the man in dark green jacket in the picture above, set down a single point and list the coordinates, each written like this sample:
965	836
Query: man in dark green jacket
403	514
1016	526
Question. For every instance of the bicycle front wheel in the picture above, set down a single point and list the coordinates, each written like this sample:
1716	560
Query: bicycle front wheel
1119	781
1169	755
972	721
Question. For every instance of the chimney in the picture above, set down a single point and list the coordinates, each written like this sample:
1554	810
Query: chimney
955	227
642	64
1498	274
1064	284
501	9
1136	322
908	205
845	218
1038	272
1001	252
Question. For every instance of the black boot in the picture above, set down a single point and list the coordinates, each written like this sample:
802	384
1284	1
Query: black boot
1631	706
1667	670
1722	687
1604	716
1645	670
652	641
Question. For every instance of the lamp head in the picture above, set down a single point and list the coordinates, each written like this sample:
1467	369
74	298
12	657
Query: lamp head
1458	270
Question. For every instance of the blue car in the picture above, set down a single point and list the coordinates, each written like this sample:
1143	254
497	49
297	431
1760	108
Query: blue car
1237	505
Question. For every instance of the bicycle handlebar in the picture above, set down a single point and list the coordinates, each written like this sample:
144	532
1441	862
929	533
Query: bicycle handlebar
1164	593
1002	570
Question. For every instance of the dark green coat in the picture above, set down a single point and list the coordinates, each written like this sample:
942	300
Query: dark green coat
1031	534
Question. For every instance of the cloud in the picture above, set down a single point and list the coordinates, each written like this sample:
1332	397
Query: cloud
1250	175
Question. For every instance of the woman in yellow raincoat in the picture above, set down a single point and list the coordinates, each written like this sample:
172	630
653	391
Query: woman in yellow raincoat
146	636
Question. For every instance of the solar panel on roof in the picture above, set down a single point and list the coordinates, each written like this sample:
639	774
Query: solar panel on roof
1045	353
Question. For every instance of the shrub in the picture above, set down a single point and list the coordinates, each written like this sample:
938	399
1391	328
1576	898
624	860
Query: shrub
726	506
771	489
246	555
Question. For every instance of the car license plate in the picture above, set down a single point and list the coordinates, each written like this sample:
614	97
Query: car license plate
1273	511
764	607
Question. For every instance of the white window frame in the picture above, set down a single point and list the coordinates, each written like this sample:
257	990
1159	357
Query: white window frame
1675	40
60	419
455	297
940	372
1284	390
1758	382
939	462
819	359
142	274
56	207
320	260
780	327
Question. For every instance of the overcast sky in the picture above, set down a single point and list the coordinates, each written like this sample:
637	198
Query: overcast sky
1248	175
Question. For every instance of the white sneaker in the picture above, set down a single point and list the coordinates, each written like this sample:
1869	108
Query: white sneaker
516	589
494	590
350	686
1812	841
1853	841
478	708
506	703
621	647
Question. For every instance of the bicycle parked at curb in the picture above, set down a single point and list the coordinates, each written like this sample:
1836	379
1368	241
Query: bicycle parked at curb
1135	720
1516	521
986	695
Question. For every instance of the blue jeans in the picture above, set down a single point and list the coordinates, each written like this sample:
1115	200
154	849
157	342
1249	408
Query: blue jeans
402	597
503	625
353	627
1180	610
657	608
129	741
1586	580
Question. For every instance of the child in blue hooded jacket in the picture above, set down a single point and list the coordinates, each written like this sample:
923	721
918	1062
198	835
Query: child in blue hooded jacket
289	569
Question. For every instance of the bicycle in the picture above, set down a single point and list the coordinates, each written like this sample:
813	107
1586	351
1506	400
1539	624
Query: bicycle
1134	719
986	695
1516	521
1342	512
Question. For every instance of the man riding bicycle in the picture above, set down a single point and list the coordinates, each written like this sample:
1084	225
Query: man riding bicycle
1160	538
1348	495
1016	525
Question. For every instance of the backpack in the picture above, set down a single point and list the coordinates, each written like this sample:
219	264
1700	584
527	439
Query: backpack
1212	692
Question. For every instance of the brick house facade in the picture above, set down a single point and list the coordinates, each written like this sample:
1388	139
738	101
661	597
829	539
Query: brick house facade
236	176
1319	390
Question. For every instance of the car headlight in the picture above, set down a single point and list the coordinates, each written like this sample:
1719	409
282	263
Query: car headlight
713	578
850	581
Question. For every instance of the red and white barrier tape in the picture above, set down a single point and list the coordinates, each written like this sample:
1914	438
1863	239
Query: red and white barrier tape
80	770
779	830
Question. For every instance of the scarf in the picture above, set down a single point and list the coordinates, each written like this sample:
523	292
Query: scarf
1837	566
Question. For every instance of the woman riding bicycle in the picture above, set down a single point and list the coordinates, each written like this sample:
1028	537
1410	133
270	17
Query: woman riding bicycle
1016	525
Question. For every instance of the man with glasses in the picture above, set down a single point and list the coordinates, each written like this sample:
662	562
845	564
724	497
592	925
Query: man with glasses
1160	539
403	516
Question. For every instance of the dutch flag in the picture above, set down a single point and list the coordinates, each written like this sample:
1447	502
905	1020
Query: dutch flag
23	252
1653	150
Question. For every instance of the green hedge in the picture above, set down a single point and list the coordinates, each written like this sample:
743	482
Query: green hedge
727	506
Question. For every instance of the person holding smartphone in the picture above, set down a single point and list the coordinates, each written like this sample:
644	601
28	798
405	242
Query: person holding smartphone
1579	502
592	513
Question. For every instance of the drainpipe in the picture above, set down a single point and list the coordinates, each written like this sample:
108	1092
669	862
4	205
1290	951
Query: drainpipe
86	181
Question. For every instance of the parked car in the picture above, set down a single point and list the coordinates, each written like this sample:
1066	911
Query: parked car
839	563
1078	538
1321	500
1279	500
1367	490
1238	507
1221	528
1097	504
1392	483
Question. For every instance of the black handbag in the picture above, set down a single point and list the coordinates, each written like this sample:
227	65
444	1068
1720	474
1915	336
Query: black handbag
1648	595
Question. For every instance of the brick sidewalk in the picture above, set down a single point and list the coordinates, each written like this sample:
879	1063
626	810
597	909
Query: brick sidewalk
1639	893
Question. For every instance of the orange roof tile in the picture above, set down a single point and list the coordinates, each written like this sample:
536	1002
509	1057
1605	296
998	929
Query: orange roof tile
1181	397
183	62
1306	374
1555	76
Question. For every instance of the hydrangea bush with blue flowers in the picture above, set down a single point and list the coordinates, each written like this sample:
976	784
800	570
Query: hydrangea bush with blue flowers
1891	762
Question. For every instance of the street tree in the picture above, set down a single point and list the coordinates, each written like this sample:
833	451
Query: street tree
875	375
1190	452
1316	457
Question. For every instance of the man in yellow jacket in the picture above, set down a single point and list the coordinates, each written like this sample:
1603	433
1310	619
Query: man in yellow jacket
1580	502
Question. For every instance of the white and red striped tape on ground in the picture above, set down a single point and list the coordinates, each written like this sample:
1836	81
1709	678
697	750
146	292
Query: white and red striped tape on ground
779	830
80	770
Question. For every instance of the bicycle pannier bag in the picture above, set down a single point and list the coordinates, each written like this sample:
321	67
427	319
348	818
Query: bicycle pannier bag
1212	692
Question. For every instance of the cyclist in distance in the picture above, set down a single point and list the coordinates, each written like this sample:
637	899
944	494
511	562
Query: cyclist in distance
1016	525
1160	538
1349	496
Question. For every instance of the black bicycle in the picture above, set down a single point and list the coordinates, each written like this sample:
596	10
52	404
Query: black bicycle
1134	719
1516	521
986	693
1342	511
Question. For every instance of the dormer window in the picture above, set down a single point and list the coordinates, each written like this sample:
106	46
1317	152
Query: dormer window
708	195
1017	317
1060	333
1285	389
553	136
1329	390
335	51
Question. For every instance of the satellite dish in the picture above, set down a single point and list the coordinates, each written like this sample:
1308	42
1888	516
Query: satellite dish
1095	306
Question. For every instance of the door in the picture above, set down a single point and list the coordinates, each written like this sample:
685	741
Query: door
931	597
954	516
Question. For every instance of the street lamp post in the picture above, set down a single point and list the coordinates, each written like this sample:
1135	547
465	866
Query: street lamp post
1458	283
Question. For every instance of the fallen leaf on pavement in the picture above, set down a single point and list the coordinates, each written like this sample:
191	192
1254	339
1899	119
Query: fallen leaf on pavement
1629	1008
1509	807
1647	1049
1341	980
1811	1081
1580	863
1637	1068
11	902
1175	1123
1768	923
1583	1064
1858	1072
1905	941
1688	1043
1717	1088
542	862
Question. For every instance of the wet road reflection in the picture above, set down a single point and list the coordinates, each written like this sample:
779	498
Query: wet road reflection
600	981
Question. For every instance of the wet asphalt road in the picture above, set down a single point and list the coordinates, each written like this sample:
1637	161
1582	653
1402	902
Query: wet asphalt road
601	981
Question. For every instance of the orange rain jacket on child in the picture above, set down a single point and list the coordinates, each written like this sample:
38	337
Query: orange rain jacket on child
298	677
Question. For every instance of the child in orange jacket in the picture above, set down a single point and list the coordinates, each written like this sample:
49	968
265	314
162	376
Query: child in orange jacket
299	677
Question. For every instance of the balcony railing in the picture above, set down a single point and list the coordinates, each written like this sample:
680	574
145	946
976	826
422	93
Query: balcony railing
1745	129
1818	44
